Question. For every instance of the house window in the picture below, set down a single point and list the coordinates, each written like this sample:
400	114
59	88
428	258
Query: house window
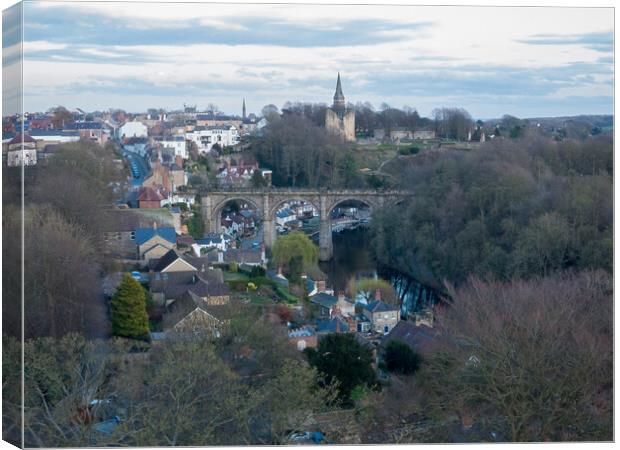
386	329
133	235
301	345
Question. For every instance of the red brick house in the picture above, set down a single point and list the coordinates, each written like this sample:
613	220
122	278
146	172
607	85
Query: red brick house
149	198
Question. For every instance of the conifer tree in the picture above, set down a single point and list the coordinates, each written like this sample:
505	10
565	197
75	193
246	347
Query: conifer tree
129	316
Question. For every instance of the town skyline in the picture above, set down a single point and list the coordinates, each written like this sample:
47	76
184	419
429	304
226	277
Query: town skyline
271	54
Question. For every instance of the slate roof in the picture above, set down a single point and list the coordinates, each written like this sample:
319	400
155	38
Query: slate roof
213	117
199	262
301	332
421	338
203	284
185	240
283	213
168	258
187	303
209	240
126	219
239	256
324	299
272	274
44	133
84	126
329	325
144	234
379	306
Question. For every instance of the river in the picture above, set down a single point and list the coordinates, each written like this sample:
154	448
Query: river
353	258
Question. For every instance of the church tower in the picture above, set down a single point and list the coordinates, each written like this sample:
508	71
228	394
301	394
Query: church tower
338	120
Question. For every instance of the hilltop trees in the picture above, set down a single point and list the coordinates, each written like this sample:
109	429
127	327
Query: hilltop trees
299	152
129	316
453	123
508	209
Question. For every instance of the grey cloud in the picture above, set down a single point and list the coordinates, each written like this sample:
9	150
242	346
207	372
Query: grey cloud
600	41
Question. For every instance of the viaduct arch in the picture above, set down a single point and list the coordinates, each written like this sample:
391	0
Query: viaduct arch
266	202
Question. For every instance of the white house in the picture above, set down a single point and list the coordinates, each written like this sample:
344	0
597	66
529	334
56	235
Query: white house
177	143
285	215
206	137
132	129
212	240
54	136
174	198
26	157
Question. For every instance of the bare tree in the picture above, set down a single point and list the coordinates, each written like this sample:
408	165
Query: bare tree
532	360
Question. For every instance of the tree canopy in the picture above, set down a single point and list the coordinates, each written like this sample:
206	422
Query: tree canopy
295	251
532	359
367	288
400	358
507	208
341	358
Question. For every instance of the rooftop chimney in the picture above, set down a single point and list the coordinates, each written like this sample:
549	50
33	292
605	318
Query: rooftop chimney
378	294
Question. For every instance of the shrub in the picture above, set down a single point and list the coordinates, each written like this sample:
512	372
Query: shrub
400	358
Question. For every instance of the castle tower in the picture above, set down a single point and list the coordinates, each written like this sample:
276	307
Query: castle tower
243	115
339	103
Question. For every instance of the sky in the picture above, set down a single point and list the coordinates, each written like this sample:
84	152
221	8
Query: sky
528	62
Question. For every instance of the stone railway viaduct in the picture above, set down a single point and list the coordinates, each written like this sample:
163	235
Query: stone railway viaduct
267	201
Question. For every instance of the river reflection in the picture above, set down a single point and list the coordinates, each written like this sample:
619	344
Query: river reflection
352	258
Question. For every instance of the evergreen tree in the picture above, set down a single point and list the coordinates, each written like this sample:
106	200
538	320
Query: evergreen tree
400	358
129	316
341	358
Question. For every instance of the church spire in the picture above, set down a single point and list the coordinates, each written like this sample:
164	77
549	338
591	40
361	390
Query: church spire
243	113
338	96
339	103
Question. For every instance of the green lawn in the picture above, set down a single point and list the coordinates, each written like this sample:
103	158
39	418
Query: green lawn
235	276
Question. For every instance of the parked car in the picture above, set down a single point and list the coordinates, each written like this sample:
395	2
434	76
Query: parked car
309	437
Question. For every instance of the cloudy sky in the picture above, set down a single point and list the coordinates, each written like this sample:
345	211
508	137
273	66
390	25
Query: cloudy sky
492	61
